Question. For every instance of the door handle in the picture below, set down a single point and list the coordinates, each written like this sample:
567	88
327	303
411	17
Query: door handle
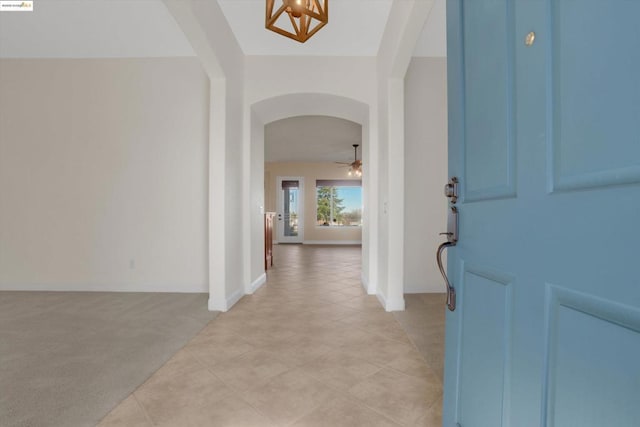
452	239
451	291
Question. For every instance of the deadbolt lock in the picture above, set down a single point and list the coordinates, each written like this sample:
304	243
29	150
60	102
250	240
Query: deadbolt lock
451	189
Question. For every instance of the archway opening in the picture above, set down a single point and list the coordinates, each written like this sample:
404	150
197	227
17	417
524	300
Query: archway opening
278	108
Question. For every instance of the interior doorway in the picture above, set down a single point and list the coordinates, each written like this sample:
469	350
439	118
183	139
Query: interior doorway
264	172
290	210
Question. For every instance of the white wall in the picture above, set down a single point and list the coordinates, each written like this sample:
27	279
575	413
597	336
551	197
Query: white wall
404	26
209	34
269	76
425	172
92	29
227	159
103	174
257	206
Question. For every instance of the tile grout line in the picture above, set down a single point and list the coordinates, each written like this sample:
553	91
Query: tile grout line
143	409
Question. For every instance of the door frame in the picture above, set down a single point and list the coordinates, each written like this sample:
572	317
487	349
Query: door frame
280	210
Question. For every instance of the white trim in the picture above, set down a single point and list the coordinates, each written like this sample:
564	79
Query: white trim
225	305
256	284
381	298
217	178
332	242
396	198
216	307
235	297
368	287
391	305
395	304
364	282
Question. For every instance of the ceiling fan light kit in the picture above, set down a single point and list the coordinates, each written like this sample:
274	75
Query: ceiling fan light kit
355	167
297	19
356	170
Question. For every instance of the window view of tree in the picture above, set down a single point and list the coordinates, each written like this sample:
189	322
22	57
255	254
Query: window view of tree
339	206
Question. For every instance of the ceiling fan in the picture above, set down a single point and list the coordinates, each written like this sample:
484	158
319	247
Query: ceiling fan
355	167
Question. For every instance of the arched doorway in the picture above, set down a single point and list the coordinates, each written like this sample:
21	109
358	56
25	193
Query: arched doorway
307	104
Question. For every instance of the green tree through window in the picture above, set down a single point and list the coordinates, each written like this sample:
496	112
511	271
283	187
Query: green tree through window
332	209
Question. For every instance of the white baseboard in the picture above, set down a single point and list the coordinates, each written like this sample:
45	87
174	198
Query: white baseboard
391	305
234	298
256	284
395	305
332	242
364	282
368	287
225	305
217	305
382	299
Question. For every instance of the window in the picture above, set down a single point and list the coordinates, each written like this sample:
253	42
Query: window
339	203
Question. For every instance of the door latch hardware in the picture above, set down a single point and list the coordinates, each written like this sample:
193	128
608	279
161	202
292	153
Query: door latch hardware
452	239
451	189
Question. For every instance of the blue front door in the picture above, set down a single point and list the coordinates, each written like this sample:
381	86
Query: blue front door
544	136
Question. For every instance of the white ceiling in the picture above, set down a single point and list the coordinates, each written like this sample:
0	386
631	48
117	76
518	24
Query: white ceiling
312	139
145	28
92	29
355	29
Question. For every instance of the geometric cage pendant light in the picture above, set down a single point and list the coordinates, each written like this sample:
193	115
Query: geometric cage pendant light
297	19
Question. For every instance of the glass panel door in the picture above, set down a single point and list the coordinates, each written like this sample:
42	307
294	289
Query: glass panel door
290	219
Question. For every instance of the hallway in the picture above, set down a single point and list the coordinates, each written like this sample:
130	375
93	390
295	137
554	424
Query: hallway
309	348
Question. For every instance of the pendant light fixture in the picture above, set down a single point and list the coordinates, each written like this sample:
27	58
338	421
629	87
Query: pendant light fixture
297	19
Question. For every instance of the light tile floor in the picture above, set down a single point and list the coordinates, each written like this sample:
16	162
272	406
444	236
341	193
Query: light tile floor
309	348
423	321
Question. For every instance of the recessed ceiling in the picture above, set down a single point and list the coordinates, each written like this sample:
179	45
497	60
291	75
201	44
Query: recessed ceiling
92	29
312	139
355	28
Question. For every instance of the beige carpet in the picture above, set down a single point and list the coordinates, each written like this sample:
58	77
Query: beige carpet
67	358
